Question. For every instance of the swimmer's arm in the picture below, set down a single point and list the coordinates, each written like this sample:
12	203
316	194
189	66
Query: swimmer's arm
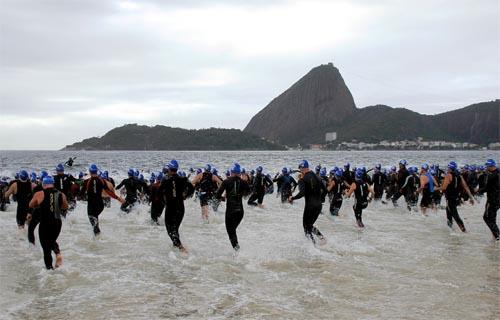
36	200
12	190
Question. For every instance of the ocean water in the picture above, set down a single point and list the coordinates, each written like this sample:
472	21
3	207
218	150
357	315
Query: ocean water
401	266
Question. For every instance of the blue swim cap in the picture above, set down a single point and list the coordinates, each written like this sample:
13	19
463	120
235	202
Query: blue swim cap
159	177
259	169
473	168
173	165
403	162
43	174
33	176
48	180
23	175
490	163
182	174
322	172
481	168
93	168
131	172
236	169
338	173
243	170
214	171
199	170
425	166
284	170
80	175
60	168
452	166
208	168
141	177
136	173
359	174
104	175
303	164
347	165
393	168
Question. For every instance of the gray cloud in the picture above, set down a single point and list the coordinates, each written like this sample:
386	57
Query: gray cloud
75	69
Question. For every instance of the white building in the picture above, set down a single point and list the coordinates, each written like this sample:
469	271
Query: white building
330	136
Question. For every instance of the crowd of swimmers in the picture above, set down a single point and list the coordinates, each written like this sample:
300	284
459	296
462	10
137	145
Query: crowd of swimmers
46	199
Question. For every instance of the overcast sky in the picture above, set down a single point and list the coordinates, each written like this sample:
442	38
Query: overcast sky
70	70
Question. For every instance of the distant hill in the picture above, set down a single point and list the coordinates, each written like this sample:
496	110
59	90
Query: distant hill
320	102
319	99
137	137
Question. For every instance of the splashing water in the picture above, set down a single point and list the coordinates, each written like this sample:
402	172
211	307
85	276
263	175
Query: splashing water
400	266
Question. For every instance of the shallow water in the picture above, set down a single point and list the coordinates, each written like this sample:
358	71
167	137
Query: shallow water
402	266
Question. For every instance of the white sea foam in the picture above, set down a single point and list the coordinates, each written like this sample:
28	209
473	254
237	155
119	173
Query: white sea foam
401	266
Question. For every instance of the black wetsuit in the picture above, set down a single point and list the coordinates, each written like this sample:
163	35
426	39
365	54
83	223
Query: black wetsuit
24	194
464	195
286	185
410	188
492	189
277	179
336	196
311	187
35	218
437	195
379	182
452	194
348	177
206	188
391	187
143	188
361	200
481	181
132	186
427	192
401	178
63	183
472	182
324	181
3	201
175	190
50	224
94	187
260	183
157	202
235	189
